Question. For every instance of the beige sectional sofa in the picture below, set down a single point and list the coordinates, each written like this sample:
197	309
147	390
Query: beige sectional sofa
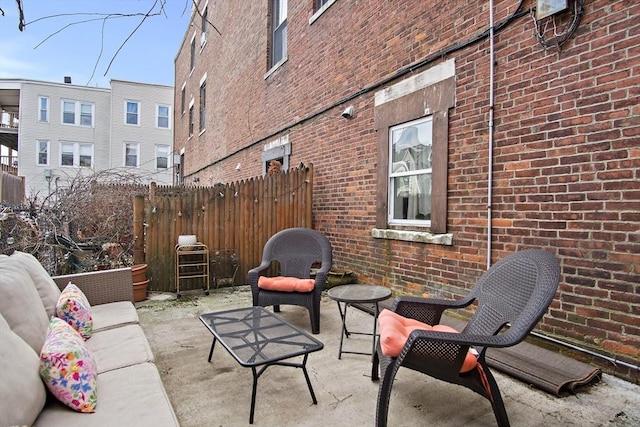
129	388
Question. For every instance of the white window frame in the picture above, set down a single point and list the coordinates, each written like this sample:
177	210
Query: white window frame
205	13
191	118
202	110
39	151
192	54
44	110
163	151
278	149
158	116
77	153
83	114
78	112
279	25
183	98
412	178
322	6
138	112
125	147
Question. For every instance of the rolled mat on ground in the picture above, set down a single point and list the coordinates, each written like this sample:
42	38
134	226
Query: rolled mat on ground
545	369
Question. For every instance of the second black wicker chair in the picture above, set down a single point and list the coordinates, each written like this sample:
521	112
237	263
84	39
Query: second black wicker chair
516	291
295	250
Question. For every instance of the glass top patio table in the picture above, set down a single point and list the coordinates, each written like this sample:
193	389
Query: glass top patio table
255	336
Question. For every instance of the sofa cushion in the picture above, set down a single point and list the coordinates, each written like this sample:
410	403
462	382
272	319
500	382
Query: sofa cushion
73	308
285	284
22	393
119	347
47	288
132	396
113	315
20	304
67	367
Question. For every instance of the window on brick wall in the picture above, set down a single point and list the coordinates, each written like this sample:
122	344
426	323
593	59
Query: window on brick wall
205	22
319	7
279	151
183	99
193	54
203	105
411	119
278	31
410	173
190	120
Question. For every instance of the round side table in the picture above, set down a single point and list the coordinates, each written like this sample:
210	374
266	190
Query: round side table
351	294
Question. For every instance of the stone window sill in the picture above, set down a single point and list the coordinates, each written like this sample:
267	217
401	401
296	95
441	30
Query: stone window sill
413	236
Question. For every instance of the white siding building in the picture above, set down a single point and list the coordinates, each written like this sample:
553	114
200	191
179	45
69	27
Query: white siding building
65	130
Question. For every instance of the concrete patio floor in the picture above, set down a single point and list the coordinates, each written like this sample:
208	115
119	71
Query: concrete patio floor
219	393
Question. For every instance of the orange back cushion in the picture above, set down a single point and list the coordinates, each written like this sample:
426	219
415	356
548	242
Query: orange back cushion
285	284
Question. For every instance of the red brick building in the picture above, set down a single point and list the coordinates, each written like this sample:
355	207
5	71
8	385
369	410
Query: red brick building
438	145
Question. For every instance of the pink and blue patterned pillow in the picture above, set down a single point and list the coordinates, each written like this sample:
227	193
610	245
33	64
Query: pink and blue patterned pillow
73	307
67	367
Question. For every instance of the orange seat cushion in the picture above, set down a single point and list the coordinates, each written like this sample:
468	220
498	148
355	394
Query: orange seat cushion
285	284
395	330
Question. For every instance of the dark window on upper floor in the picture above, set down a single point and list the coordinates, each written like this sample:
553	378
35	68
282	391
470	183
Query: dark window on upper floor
278	31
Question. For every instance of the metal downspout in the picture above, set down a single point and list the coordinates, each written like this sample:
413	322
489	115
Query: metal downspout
491	108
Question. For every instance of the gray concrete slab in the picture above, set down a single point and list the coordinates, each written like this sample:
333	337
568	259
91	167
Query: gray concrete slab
219	393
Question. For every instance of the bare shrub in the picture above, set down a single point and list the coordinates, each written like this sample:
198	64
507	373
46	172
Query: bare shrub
86	225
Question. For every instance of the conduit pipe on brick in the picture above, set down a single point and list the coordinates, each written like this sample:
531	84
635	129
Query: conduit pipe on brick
374	86
491	108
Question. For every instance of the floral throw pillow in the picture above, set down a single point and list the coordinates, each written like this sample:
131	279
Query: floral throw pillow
67	367
73	307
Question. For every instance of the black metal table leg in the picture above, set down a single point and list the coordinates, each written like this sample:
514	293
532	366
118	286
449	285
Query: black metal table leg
253	393
211	351
306	377
343	332
375	324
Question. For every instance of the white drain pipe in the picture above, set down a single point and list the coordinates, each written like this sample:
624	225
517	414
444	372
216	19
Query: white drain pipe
491	108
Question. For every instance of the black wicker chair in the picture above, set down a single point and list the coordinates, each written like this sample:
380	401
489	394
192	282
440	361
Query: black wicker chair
295	250
516	291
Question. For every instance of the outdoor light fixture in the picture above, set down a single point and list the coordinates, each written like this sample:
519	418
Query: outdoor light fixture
348	112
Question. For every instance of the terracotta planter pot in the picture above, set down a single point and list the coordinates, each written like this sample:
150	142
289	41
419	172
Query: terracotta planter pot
139	273
140	291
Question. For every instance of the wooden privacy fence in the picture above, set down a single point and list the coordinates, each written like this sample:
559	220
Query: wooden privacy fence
11	188
233	219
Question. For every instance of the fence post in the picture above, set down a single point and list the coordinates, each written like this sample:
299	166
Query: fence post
138	229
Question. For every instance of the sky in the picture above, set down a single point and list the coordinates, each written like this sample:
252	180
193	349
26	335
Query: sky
83	44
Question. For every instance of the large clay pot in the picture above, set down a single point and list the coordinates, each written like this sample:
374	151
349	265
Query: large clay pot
140	282
140	291
139	273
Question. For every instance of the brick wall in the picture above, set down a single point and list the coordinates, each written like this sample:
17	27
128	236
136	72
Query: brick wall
566	163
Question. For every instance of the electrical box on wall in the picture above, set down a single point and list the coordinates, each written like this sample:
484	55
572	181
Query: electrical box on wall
546	8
